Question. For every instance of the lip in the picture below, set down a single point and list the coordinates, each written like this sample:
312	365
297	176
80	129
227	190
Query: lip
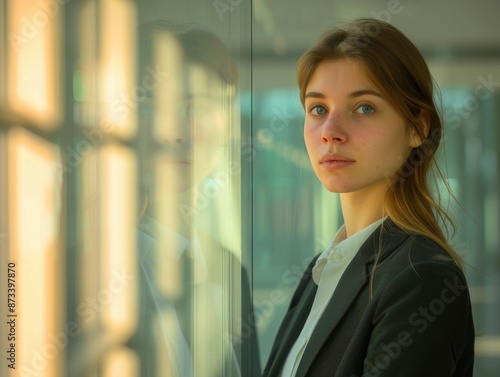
334	161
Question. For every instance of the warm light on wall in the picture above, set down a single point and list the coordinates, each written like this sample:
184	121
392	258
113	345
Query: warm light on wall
34	53
34	193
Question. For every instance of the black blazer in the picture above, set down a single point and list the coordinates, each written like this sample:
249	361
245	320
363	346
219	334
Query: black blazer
417	322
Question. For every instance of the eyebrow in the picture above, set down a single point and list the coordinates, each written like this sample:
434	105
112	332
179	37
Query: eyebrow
362	92
357	93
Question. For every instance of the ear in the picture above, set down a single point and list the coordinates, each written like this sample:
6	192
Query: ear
424	124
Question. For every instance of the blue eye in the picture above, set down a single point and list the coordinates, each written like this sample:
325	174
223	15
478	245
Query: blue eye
365	109
318	110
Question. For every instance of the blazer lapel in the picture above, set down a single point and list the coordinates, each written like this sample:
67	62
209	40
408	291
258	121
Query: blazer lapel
352	281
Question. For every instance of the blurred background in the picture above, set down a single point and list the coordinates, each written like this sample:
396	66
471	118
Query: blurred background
155	182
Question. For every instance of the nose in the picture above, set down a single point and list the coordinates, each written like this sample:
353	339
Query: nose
333	129
176	138
175	142
178	132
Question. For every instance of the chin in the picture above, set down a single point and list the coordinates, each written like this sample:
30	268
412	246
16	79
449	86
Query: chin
337	190
337	187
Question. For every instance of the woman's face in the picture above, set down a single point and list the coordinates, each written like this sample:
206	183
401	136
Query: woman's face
354	137
189	116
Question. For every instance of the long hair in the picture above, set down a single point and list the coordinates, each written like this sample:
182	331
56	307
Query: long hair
396	67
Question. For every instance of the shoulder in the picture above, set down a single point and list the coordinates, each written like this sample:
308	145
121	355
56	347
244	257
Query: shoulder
422	269
418	254
421	303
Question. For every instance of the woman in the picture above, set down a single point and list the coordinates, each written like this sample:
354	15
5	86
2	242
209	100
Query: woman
388	296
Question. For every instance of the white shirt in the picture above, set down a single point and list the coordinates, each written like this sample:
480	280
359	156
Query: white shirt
152	229
329	268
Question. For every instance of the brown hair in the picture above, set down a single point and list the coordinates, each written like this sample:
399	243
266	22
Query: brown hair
396	67
197	46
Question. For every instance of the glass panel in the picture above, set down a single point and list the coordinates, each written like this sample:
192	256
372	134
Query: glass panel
177	230
195	278
119	270
117	90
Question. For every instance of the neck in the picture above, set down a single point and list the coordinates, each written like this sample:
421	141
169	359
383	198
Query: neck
362	208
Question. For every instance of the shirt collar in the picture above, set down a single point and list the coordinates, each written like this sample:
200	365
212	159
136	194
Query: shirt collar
343	249
152	230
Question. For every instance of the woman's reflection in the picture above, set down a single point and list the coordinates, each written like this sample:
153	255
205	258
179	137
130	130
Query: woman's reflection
195	292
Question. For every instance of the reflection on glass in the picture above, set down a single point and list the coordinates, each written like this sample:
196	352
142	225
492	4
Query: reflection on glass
192	283
118	264
117	57
102	173
121	362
